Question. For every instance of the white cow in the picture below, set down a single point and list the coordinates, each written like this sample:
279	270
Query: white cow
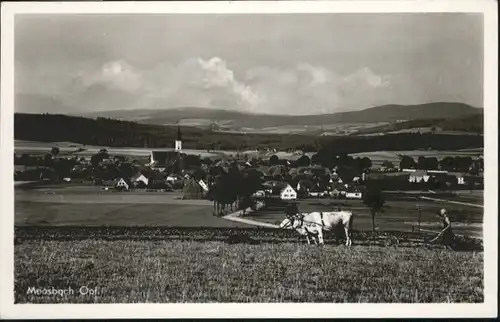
313	224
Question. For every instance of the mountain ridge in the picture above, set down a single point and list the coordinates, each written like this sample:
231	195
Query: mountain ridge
237	119
189	109
242	121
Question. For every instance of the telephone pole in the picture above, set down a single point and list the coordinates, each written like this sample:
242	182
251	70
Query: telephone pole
419	208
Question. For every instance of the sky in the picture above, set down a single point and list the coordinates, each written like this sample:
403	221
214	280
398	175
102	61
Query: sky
268	63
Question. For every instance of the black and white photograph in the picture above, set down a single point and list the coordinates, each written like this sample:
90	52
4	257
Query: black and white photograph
242	153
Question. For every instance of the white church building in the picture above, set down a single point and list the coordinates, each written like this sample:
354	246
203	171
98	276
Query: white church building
159	158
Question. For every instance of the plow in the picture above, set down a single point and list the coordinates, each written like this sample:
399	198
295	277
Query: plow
434	235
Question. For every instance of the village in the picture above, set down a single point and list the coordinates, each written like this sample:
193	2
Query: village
272	178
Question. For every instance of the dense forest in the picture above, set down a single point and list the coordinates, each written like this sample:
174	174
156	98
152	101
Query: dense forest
470	123
116	133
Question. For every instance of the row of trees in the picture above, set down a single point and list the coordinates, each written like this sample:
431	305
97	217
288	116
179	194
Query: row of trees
325	159
449	163
110	132
234	189
468	123
401	142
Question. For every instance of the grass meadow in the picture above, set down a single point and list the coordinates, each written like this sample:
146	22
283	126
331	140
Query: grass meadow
160	271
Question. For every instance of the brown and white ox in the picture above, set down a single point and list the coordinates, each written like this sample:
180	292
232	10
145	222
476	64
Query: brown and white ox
313	224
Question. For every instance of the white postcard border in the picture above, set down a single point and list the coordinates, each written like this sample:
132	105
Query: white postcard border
486	309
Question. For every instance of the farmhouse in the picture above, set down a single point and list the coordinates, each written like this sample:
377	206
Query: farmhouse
461	178
287	192
317	191
193	190
203	185
122	184
336	192
419	176
354	195
139	179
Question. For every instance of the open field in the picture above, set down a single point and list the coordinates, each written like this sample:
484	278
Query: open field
379	156
130	271
115	209
32	147
153	247
399	215
89	205
327	129
42	148
69	148
53	214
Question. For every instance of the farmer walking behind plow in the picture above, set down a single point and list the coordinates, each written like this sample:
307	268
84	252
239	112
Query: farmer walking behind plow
446	233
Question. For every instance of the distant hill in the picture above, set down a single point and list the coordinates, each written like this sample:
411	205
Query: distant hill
467	124
204	117
391	113
117	133
381	118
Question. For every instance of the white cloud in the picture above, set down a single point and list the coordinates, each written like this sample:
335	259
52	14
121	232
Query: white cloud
301	89
307	88
118	75
366	76
217	74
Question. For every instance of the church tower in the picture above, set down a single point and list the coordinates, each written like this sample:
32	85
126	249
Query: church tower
178	142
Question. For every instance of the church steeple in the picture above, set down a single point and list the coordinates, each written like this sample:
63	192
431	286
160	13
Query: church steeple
178	141
179	137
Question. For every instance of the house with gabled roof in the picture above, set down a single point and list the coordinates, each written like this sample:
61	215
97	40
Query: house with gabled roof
203	185
460	176
285	191
193	190
122	184
139	177
419	176
354	195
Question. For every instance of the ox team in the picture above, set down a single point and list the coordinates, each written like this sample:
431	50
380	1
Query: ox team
311	225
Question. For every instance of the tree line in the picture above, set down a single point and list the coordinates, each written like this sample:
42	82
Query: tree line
117	133
470	123
448	163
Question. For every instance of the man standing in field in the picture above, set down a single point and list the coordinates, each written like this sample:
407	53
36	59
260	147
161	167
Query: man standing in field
446	233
